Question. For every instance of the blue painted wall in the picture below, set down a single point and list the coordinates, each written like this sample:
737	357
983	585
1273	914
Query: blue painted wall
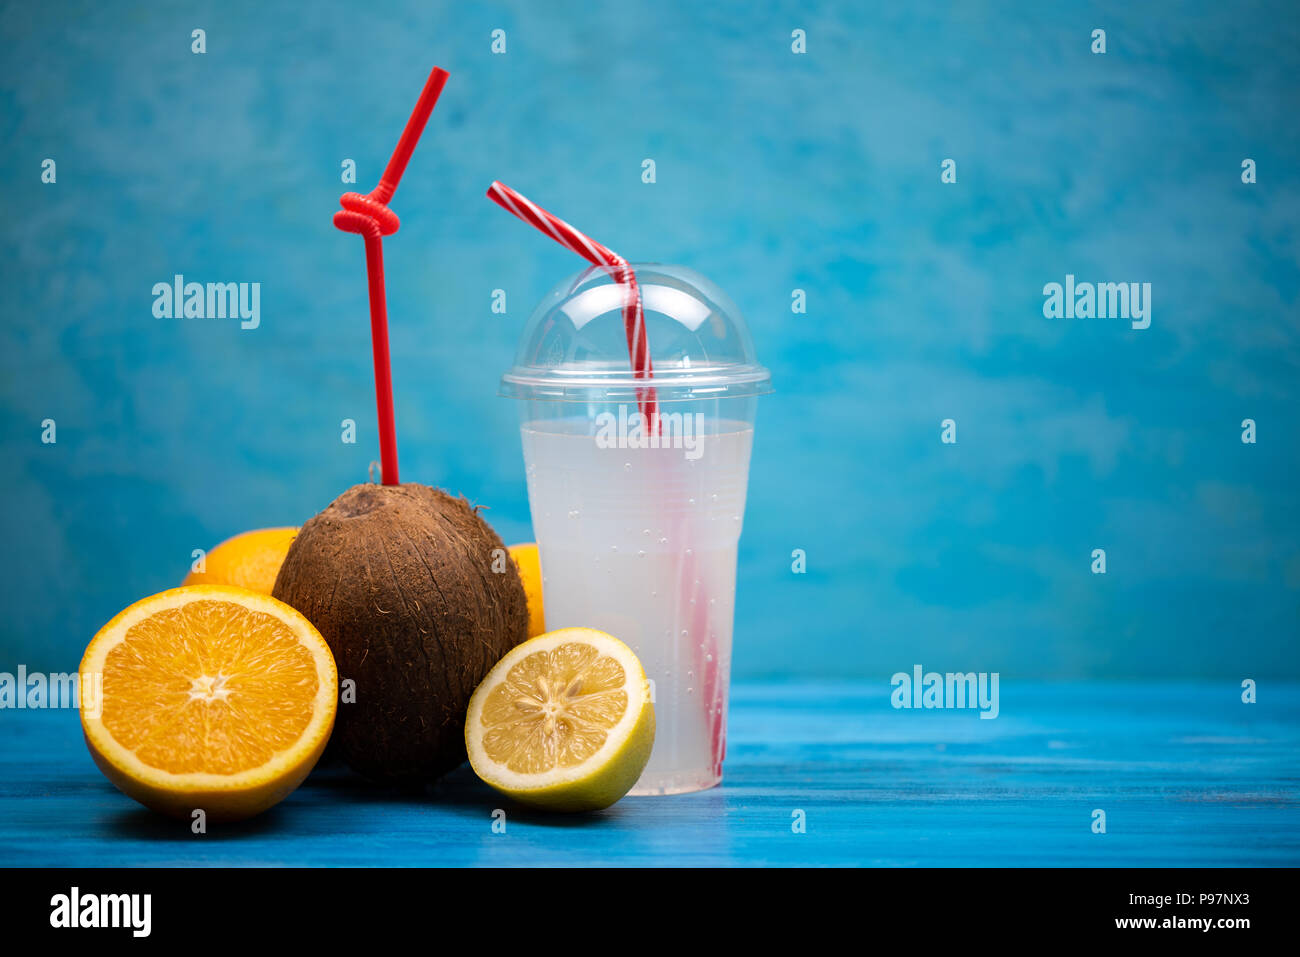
775	171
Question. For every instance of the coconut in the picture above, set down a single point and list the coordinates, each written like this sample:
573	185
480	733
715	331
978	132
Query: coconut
417	599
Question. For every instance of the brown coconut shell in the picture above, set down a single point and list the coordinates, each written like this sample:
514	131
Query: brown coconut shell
408	587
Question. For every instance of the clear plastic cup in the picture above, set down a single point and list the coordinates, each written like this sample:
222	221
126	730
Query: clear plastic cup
637	527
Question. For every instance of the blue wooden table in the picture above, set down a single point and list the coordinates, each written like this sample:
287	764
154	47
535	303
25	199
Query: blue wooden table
1186	774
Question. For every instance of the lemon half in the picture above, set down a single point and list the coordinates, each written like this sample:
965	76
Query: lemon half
564	721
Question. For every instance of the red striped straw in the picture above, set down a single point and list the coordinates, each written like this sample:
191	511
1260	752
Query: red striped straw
638	347
639	352
368	214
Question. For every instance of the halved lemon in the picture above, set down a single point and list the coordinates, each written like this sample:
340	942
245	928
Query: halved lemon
208	697
564	721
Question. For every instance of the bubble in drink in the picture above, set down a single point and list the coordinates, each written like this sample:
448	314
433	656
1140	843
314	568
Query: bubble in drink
639	594
640	384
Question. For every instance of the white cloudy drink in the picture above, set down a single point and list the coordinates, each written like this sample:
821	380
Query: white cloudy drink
639	388
641	542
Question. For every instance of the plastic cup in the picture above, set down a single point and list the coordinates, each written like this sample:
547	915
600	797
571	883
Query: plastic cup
638	526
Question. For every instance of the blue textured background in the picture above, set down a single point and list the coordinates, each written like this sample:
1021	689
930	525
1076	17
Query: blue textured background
775	171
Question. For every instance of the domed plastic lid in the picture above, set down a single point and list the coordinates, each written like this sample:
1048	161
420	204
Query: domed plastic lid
575	346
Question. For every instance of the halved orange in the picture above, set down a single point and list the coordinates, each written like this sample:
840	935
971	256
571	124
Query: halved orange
208	697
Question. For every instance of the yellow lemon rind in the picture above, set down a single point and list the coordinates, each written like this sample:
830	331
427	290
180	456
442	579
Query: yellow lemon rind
603	778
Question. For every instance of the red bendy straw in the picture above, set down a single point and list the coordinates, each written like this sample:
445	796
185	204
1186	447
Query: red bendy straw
370	216
638	347
693	588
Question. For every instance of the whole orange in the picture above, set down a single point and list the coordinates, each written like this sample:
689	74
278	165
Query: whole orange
251	560
530	570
